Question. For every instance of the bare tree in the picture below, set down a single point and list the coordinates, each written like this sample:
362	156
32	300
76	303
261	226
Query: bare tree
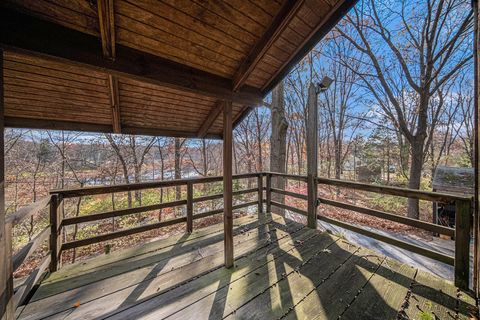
427	45
339	104
278	139
131	152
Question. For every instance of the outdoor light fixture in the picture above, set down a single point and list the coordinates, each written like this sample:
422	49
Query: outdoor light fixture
324	84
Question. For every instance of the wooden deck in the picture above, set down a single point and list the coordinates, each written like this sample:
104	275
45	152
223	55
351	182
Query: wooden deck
282	270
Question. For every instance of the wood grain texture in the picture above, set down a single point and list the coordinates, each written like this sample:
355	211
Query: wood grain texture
227	183
282	270
234	50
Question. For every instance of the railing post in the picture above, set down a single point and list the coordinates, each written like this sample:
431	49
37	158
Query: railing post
10	308
189	207
463	214
55	235
260	192
312	154
269	193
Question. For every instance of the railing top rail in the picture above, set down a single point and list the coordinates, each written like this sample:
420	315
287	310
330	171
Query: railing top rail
287	175
395	191
27	211
87	191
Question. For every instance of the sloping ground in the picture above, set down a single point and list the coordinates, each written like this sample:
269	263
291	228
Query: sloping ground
282	270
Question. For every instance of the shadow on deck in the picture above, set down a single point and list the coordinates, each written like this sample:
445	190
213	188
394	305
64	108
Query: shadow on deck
282	270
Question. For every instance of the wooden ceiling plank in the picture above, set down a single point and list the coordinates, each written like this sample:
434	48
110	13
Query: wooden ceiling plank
106	22
322	28
212	116
278	25
115	103
34	36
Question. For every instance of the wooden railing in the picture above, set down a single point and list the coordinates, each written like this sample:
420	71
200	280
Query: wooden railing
17	294
461	232
58	223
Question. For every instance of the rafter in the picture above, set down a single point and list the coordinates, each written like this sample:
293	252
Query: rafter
286	13
321	29
30	123
212	116
106	21
49	40
115	103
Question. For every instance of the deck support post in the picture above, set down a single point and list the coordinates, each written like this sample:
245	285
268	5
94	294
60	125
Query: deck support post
55	234
6	267
227	183
189	207
312	154
260	193
476	150
463	215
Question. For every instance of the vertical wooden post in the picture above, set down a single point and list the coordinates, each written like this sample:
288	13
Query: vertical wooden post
269	193
227	183
6	277
463	215
312	153
260	193
10	312
189	207
55	234
476	149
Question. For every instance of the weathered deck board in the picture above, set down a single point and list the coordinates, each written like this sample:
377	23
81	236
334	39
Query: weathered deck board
148	248
282	270
384	293
181	252
62	295
435	297
324	301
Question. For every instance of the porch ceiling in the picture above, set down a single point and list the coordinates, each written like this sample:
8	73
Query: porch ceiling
150	67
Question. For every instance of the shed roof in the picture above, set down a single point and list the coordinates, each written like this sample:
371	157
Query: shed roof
151	67
454	179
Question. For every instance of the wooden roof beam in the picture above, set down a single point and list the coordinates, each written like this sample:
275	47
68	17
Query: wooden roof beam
115	103
286	13
324	26
30	123
106	22
212	116
23	33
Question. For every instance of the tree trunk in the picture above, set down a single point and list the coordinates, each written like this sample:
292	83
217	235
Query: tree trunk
338	158
415	176
259	142
278	140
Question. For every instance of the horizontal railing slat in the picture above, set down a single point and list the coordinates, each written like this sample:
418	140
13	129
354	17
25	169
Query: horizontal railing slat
86	191
287	207
120	233
392	217
398	243
290	194
122	212
394	191
220	195
23	291
148	227
30	247
288	176
218	211
27	211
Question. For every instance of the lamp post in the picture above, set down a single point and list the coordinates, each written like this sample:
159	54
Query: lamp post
312	149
